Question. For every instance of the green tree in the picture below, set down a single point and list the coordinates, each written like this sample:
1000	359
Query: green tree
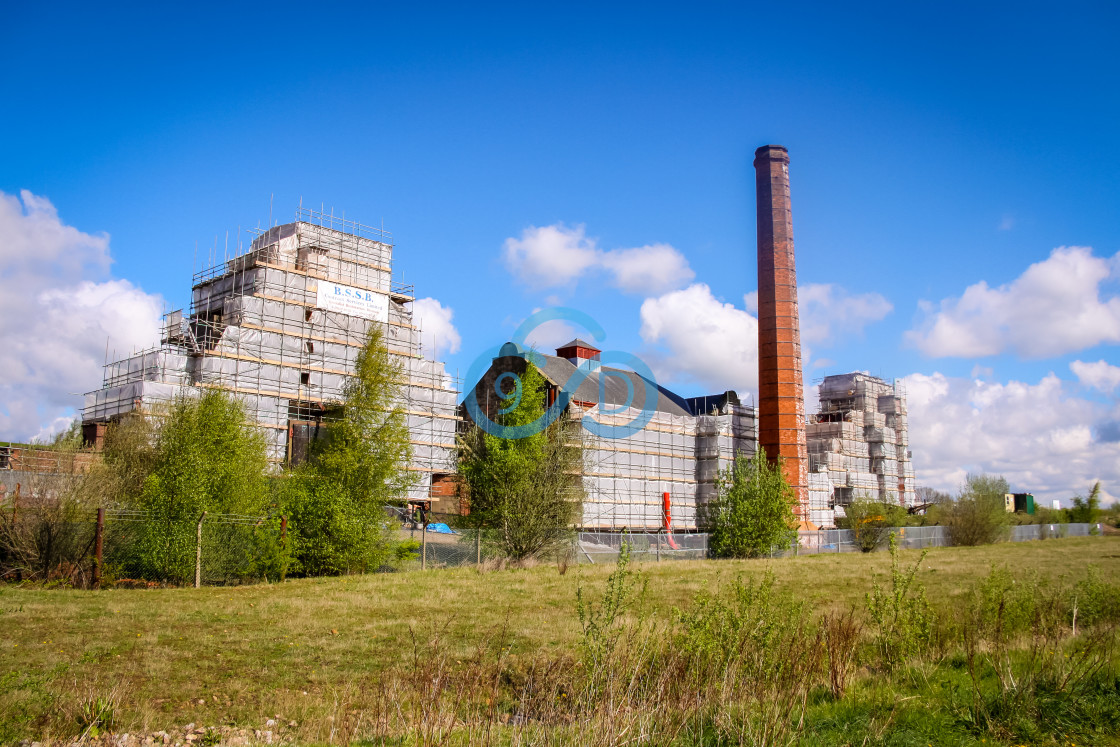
525	494
204	454
1087	510
70	438
753	509
871	522
979	515
337	498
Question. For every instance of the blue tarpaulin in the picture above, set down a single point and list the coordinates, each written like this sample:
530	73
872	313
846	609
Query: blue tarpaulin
441	529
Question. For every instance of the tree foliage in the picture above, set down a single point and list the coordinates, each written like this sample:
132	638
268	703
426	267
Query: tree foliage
1087	510
526	493
871	522
199	453
979	515
753	509
337	498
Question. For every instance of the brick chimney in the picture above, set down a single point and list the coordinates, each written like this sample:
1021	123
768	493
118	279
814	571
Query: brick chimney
781	402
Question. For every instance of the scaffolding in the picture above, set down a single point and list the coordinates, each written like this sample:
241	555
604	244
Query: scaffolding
280	325
679	448
859	446
625	479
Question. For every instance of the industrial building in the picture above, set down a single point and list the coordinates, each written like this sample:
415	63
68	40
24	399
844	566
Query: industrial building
859	446
280	325
677	453
855	447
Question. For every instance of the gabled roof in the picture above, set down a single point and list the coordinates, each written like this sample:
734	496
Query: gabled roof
615	391
578	343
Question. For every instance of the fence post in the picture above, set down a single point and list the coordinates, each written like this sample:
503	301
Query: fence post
284	531
658	540
478	548
15	505
198	553
98	544
424	546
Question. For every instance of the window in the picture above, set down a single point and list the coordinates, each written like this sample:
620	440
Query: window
305	378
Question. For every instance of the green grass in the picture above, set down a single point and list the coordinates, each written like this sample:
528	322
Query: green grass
305	650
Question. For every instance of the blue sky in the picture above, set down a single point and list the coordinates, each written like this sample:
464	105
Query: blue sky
931	150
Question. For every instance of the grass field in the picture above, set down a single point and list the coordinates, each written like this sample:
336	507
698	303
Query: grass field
302	652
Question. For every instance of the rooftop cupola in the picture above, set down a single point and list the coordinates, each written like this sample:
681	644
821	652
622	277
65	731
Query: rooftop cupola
578	352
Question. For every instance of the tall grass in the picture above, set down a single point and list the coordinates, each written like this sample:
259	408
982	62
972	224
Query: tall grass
1013	658
745	663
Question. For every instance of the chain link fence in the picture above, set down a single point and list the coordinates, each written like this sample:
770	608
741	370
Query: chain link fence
89	548
450	541
72	545
603	547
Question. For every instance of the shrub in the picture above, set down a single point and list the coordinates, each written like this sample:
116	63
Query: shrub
871	522
901	613
753	509
755	653
978	516
842	633
601	623
48	535
203	454
1087	510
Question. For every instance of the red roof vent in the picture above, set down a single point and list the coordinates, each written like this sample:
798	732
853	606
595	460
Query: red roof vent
577	350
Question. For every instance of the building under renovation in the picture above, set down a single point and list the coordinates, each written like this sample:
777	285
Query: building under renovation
859	446
855	447
280	325
660	472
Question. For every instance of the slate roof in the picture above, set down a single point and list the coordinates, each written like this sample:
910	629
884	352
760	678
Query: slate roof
579	343
560	370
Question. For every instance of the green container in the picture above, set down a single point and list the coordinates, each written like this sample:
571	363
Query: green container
1024	503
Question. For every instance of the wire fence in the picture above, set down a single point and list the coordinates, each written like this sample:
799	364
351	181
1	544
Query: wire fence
451	541
81	547
89	548
603	547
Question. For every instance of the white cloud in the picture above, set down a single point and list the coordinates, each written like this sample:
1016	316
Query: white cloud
546	337
438	334
702	339
1040	437
1054	307
1100	375
550	255
828	312
60	309
649	269
553	256
750	302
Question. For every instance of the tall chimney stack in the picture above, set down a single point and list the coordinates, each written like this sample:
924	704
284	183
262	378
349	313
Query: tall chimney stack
781	403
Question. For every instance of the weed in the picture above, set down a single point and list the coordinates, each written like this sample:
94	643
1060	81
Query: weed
97	713
756	655
901	613
842	633
507	663
210	738
601	622
1032	674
